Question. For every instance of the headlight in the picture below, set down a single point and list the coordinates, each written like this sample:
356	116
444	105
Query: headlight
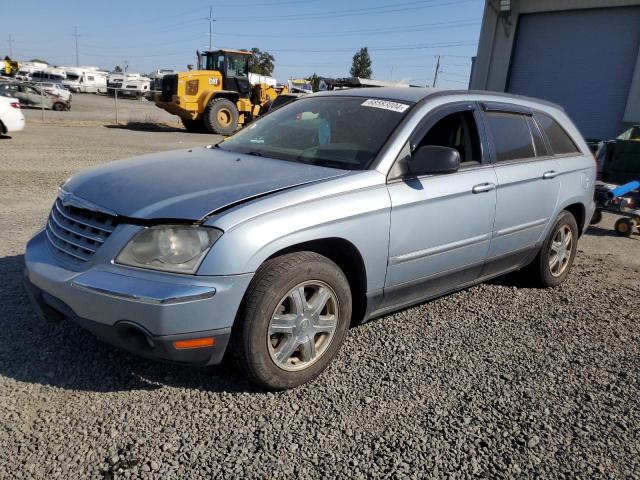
191	87
172	248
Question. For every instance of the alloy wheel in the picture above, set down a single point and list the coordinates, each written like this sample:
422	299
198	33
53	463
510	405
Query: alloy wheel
303	325
560	250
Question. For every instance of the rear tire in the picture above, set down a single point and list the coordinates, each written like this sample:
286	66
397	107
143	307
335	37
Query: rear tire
281	340
193	126
553	263
221	116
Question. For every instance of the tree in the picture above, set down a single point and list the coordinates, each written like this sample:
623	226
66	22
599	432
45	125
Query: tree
261	62
361	66
39	60
117	69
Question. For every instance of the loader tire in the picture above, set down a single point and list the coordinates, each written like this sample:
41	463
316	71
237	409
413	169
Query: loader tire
221	116
194	126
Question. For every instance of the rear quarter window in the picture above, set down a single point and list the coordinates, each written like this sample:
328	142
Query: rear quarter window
560	141
511	135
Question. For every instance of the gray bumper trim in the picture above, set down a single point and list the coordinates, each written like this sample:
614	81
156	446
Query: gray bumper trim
132	289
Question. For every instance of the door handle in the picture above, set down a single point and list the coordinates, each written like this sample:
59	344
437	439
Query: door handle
549	175
483	187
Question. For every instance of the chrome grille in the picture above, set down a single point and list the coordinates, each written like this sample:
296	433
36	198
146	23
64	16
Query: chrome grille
77	233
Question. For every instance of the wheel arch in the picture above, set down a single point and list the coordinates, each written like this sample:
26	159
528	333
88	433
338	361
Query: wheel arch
347	256
228	94
578	211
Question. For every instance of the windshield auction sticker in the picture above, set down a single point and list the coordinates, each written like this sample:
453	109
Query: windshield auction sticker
385	104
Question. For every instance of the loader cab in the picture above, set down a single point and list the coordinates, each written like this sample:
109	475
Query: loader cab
233	65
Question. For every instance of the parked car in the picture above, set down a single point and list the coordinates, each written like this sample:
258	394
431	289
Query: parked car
31	96
333	209
11	118
56	89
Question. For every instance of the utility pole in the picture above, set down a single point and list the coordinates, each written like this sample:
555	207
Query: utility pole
435	76
10	46
211	20
75	34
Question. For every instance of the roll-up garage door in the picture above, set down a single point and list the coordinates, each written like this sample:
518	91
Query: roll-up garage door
581	59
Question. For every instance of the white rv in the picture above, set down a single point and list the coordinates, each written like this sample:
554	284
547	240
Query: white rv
49	75
27	69
128	84
85	79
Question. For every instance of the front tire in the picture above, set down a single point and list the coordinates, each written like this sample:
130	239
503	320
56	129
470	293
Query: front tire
553	263
193	126
58	106
294	317
221	116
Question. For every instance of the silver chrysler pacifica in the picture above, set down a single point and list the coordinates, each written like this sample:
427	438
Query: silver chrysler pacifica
330	210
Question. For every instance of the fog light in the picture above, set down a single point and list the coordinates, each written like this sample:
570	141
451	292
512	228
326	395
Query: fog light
194	343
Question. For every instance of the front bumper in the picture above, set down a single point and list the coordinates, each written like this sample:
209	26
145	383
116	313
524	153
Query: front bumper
183	109
141	311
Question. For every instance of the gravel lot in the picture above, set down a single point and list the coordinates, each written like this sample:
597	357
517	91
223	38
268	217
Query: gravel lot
499	380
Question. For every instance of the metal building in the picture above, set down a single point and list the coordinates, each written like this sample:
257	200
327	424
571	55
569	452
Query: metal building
582	54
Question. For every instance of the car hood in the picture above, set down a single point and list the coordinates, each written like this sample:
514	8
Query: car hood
186	185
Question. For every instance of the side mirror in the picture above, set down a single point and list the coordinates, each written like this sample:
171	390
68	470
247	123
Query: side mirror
434	160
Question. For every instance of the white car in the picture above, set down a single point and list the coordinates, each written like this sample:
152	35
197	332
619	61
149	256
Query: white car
56	89
11	118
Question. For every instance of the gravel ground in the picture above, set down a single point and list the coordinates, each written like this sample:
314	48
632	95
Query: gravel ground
500	380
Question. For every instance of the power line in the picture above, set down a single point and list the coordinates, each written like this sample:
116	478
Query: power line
392	8
461	75
376	31
381	48
351	33
10	46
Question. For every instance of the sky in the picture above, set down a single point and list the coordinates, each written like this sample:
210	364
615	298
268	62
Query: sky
404	37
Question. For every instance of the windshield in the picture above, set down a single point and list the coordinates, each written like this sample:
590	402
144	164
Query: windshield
72	76
340	132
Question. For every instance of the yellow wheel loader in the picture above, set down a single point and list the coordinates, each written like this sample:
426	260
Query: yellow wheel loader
9	67
217	97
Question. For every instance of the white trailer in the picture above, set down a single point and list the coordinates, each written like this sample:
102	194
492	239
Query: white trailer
85	79
256	79
27	68
49	75
128	84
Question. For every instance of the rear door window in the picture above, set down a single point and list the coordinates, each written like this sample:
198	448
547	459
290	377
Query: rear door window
559	139
511	136
538	139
